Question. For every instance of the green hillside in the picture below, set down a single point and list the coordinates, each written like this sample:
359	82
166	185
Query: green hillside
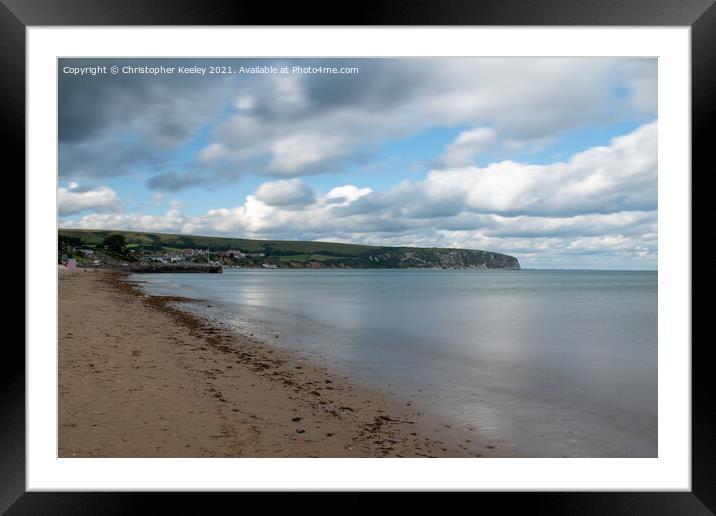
295	253
159	241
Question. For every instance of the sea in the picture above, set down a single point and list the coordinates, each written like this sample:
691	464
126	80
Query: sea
550	363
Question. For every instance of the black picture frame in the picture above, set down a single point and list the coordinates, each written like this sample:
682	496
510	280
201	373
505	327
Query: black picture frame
17	15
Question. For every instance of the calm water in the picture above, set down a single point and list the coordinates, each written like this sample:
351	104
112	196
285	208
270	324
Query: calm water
553	362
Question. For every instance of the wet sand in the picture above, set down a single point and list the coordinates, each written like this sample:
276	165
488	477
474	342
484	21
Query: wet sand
139	377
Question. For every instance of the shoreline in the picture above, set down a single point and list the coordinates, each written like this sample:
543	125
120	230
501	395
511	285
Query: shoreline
140	377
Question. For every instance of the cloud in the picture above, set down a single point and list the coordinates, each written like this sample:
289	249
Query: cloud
113	125
296	125
640	89
343	195
171	221
289	192
165	110
467	145
75	199
174	182
298	152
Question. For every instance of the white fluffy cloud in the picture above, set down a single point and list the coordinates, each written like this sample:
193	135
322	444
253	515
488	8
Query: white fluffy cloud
75	199
618	177
288	192
298	152
468	145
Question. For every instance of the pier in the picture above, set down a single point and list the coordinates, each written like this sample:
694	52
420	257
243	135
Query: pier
176	267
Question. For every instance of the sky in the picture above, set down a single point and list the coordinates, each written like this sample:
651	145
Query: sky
550	160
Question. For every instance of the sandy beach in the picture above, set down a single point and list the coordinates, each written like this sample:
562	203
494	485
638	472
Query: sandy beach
140	378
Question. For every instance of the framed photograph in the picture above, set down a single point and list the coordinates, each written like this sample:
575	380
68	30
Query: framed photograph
433	248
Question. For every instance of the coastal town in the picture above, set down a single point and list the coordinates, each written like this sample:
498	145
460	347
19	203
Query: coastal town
179	256
114	252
